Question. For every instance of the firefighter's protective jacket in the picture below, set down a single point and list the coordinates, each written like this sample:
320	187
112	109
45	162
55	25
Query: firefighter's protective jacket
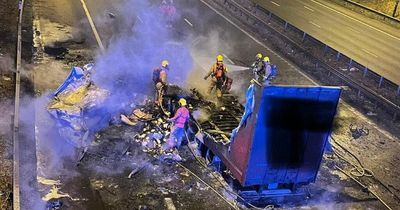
217	70
180	118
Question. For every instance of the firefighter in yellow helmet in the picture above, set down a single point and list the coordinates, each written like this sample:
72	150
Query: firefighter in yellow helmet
181	117
218	75
268	71
258	67
160	81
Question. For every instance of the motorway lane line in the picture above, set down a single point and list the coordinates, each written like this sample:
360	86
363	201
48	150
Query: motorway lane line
372	27
352	29
260	43
188	22
140	19
309	8
275	3
369	53
315	24
196	41
96	34
228	59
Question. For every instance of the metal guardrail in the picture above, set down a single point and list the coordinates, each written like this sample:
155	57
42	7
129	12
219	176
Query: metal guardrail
367	92
383	15
16	183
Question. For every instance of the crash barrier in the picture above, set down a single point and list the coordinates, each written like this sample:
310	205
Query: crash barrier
259	20
16	159
369	11
280	139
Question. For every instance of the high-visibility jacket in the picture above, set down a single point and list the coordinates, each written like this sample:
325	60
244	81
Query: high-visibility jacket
218	70
181	117
160	75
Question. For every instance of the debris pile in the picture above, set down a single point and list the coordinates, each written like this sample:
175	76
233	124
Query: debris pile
155	131
73	101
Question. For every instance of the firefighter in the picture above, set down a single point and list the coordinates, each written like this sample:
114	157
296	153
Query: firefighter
258	67
168	10
160	81
218	75
267	73
178	128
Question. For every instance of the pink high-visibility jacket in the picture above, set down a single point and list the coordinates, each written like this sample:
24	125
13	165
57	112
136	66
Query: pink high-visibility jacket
180	118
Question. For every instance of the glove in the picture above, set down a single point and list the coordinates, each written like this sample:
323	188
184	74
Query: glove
206	77
168	114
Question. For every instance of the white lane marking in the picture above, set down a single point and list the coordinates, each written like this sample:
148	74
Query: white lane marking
260	43
188	22
275	3
93	26
315	24
377	29
228	59
309	8
369	53
354	30
196	41
140	19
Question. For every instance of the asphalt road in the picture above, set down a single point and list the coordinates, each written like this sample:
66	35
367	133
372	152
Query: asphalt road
366	41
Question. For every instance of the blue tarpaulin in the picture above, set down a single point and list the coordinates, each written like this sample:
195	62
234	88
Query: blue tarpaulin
77	107
248	109
75	74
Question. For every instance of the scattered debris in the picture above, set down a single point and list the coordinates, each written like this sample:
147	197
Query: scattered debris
137	170
201	188
83	153
165	191
45	181
143	207
111	15
55	194
353	69
171	156
357	132
53	205
185	173
5	78
169	204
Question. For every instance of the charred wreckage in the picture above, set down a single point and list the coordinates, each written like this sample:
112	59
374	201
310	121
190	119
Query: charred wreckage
271	145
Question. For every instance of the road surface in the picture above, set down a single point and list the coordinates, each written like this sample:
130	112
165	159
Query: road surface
368	42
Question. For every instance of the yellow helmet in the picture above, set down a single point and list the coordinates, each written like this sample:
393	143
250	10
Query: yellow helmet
266	59
259	56
220	58
164	63
182	102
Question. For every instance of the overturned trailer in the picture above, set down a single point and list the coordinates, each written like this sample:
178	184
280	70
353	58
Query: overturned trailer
275	143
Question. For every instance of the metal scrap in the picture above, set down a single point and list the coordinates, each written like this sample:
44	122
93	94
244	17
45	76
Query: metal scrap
357	132
169	203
